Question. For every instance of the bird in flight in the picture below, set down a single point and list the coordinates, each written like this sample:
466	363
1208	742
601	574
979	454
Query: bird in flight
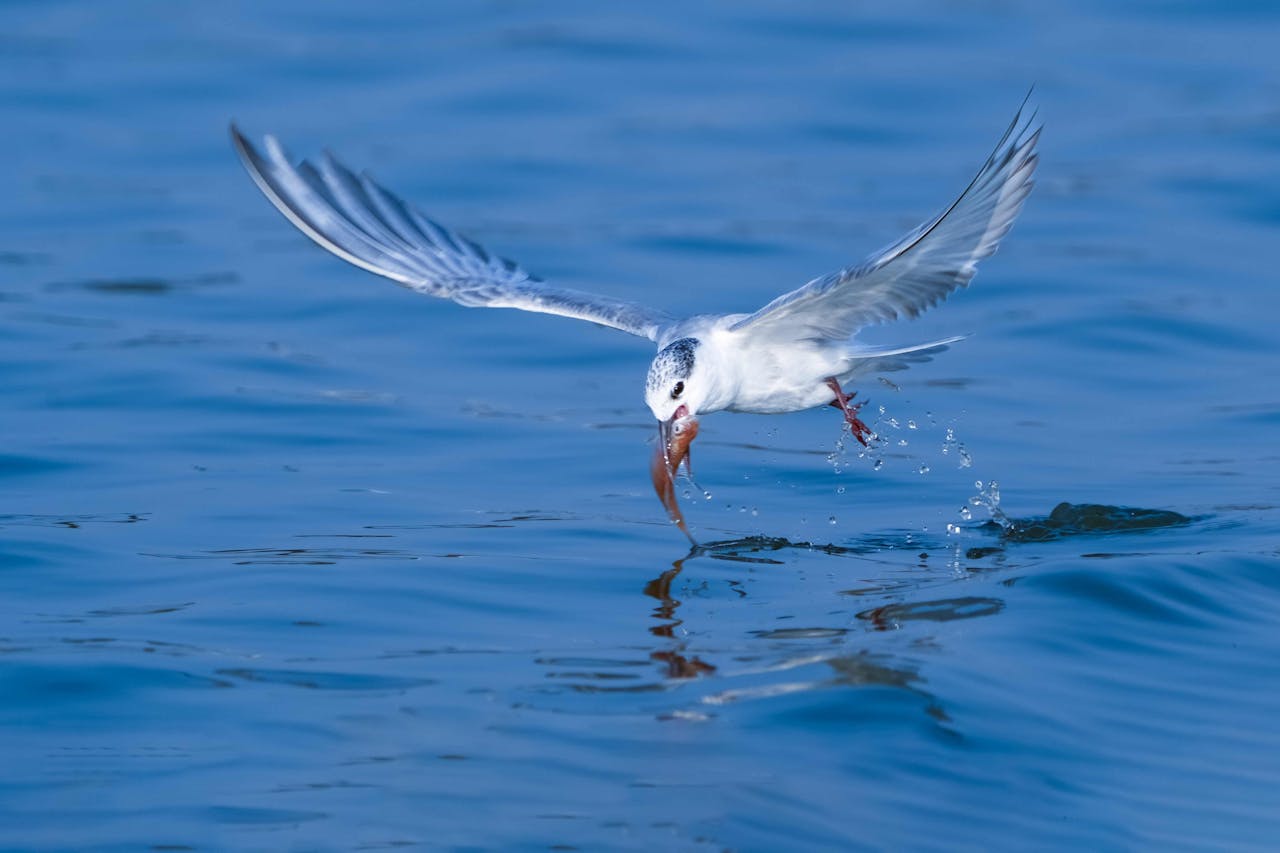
797	352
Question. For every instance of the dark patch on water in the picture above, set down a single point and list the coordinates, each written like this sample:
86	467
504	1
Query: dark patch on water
943	610
71	521
326	680
22	259
145	286
292	556
801	633
1068	519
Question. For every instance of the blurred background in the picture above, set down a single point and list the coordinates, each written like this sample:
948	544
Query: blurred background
293	558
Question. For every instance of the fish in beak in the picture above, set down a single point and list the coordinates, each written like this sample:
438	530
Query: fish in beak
674	437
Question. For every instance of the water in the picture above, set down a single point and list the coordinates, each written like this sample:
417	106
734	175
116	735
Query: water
293	558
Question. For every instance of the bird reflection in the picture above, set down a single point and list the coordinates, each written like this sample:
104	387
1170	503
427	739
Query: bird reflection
678	664
797	648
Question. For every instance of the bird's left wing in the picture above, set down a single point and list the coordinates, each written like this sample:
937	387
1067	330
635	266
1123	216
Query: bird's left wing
363	223
923	267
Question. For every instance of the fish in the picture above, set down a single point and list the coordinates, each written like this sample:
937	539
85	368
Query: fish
669	451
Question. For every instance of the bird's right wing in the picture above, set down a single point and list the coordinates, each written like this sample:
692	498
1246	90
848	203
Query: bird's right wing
923	267
364	224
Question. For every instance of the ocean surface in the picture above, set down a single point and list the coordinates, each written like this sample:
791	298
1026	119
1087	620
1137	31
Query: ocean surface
294	559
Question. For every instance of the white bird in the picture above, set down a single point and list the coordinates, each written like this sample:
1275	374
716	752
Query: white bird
797	352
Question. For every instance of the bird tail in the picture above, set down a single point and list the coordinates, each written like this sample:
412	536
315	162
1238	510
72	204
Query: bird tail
885	359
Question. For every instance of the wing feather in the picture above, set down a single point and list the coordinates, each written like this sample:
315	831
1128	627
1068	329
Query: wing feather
367	225
922	268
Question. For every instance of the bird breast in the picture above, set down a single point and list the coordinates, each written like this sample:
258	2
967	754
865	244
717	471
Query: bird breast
769	379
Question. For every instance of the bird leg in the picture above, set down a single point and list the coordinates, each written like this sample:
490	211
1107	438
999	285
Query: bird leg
844	402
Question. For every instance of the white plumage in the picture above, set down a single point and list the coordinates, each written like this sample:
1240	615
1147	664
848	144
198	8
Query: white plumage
793	353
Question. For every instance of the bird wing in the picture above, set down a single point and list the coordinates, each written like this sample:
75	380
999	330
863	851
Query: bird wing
922	268
365	224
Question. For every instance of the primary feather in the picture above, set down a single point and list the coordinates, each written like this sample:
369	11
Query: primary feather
922	268
367	225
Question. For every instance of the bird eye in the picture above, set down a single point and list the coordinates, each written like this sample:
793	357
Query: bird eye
677	391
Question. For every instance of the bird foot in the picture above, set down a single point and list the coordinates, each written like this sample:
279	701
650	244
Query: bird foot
844	402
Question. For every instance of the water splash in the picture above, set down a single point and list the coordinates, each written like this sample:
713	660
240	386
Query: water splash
888	438
988	499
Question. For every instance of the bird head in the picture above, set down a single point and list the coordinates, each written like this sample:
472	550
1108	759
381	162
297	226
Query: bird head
674	391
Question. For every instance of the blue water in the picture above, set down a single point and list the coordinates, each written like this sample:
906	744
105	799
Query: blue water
292	558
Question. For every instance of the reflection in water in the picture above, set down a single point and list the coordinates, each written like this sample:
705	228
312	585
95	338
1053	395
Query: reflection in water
763	660
861	668
797	648
678	665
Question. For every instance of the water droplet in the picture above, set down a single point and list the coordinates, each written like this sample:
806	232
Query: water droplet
706	495
966	461
687	494
755	512
977	484
989	500
881	410
902	442
965	513
840	490
879	464
912	425
893	422
831	520
924	469
952	529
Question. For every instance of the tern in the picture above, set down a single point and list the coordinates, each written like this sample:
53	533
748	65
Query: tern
798	352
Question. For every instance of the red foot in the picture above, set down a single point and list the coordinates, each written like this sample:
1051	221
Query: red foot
844	403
